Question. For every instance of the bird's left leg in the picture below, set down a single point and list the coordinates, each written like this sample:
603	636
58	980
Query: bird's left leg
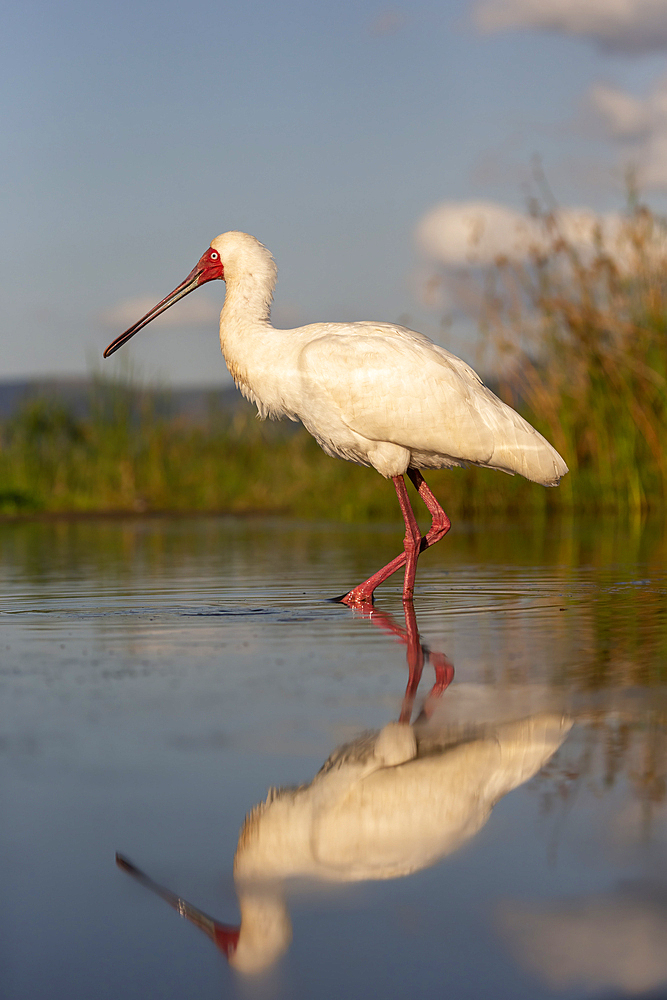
444	675
440	525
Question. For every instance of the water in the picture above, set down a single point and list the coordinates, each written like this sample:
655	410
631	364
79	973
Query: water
157	677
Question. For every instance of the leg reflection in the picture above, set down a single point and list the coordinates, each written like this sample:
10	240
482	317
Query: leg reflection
416	654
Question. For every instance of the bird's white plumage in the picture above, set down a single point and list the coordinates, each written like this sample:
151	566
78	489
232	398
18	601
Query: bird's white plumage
372	393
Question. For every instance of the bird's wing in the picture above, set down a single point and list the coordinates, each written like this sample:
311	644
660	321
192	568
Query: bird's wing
390	384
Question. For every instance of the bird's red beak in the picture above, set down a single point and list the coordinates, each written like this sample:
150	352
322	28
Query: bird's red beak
208	267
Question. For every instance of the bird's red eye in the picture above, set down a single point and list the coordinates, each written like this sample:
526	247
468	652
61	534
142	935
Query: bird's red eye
214	255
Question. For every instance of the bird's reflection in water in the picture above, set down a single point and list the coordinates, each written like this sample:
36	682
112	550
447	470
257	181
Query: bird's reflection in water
389	803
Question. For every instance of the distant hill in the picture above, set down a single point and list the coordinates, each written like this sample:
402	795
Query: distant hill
76	394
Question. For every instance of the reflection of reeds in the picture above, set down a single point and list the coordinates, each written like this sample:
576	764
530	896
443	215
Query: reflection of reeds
581	331
617	686
626	745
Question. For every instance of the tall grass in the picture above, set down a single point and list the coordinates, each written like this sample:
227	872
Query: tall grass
580	328
127	457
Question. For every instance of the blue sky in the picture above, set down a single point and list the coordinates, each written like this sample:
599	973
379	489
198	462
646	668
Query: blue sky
136	132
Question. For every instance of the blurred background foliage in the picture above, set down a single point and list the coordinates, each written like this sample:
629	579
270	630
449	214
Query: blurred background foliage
580	331
575	329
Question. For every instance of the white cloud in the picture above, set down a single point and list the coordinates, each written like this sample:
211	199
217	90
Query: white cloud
456	234
613	941
630	26
458	239
624	116
388	22
641	124
194	310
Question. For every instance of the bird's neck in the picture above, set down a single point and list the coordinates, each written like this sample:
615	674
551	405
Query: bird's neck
255	352
249	296
244	324
275	842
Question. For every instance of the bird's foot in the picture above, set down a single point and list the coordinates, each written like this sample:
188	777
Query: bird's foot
358	597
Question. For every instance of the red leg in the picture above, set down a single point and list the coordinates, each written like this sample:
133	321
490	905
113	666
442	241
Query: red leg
415	659
412	540
444	675
416	655
440	525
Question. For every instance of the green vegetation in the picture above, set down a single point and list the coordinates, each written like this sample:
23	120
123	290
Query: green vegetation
578	330
126	457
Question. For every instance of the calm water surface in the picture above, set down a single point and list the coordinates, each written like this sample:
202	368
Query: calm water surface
157	678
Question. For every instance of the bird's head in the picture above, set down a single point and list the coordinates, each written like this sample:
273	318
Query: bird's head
230	254
241	254
208	267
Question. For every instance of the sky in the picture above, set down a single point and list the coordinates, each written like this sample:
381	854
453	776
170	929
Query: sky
356	140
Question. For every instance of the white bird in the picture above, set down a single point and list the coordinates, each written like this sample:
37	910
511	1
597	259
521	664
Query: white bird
390	803
372	393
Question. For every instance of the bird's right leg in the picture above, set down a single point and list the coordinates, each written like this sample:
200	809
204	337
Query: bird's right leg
440	525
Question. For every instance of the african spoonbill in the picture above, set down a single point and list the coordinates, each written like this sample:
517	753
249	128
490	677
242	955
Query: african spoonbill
372	393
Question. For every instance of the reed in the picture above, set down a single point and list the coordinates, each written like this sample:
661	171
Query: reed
580	327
